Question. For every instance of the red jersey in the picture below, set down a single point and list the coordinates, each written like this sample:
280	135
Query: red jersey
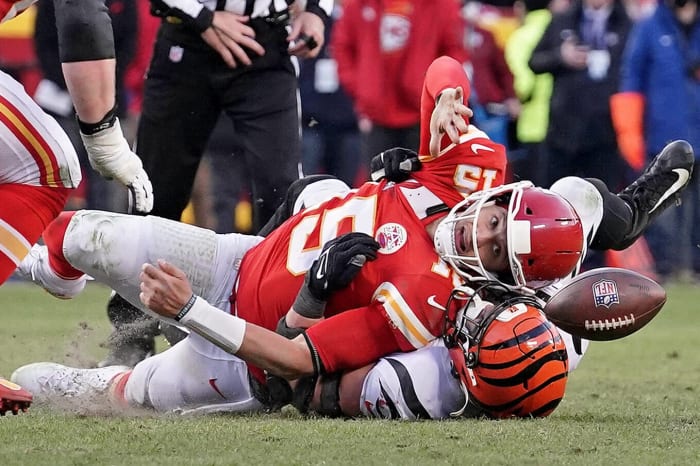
396	302
473	164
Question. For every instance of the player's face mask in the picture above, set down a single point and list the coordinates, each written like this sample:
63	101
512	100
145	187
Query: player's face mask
510	360
517	234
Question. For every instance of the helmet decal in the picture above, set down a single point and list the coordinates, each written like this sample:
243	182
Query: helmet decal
391	237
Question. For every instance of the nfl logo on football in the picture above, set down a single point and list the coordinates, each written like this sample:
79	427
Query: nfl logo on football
605	293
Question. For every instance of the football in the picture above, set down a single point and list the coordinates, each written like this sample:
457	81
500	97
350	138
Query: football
606	304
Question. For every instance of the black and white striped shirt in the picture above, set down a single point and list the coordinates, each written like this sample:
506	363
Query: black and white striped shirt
199	13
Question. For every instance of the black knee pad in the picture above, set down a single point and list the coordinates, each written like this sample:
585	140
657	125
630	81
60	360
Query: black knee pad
330	395
304	392
84	30
617	219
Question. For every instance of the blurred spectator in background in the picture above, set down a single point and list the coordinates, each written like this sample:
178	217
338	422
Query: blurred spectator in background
493	98
17	54
659	100
582	49
52	95
529	161
498	17
383	49
330	137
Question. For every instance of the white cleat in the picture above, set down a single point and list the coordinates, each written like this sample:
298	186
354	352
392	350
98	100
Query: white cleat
51	382
35	267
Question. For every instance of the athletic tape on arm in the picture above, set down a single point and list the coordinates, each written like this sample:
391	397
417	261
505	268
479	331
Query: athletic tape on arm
221	328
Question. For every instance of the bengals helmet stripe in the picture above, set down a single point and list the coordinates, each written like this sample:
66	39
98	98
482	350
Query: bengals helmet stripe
528	372
515	341
512	361
532	392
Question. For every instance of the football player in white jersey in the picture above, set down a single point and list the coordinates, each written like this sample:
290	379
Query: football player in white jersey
451	245
38	164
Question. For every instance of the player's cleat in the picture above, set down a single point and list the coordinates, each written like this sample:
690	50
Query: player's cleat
49	381
658	187
35	267
13	398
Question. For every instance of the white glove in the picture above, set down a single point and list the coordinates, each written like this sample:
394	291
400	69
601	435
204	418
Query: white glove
109	154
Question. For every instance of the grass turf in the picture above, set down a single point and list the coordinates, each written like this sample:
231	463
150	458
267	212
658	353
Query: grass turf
632	401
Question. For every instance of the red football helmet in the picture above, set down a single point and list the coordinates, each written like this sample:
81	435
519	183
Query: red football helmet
511	361
544	235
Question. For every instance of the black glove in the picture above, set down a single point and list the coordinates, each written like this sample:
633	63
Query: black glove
340	261
395	164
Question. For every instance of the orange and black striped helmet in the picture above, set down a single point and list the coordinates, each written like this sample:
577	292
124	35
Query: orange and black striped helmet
511	361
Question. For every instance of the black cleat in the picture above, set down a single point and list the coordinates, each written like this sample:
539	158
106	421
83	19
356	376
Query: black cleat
658	187
133	337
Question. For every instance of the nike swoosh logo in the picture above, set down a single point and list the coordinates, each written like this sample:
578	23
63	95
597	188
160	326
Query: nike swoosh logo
476	147
212	383
683	176
432	302
321	271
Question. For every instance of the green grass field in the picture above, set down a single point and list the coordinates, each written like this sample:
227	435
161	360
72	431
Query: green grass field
632	401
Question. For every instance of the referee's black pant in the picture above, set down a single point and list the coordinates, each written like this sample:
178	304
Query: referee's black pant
188	86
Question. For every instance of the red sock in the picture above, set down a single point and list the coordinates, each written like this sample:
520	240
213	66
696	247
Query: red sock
53	238
117	387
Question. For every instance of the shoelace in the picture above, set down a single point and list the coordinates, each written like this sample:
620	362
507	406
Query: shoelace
651	187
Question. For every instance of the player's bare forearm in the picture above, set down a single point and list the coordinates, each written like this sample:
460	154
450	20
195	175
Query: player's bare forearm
290	359
91	86
166	291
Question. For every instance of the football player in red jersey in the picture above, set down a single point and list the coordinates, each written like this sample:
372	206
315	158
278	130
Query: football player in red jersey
86	46
387	306
38	164
394	324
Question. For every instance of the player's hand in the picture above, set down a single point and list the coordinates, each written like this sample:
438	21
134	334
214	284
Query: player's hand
395	164
109	154
448	118
340	261
574	55
165	288
140	193
228	34
307	35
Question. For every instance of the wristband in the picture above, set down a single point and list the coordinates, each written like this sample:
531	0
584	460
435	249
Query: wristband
307	305
186	308
106	122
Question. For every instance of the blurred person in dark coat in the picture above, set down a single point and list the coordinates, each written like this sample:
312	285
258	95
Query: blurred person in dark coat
330	137
582	50
659	100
